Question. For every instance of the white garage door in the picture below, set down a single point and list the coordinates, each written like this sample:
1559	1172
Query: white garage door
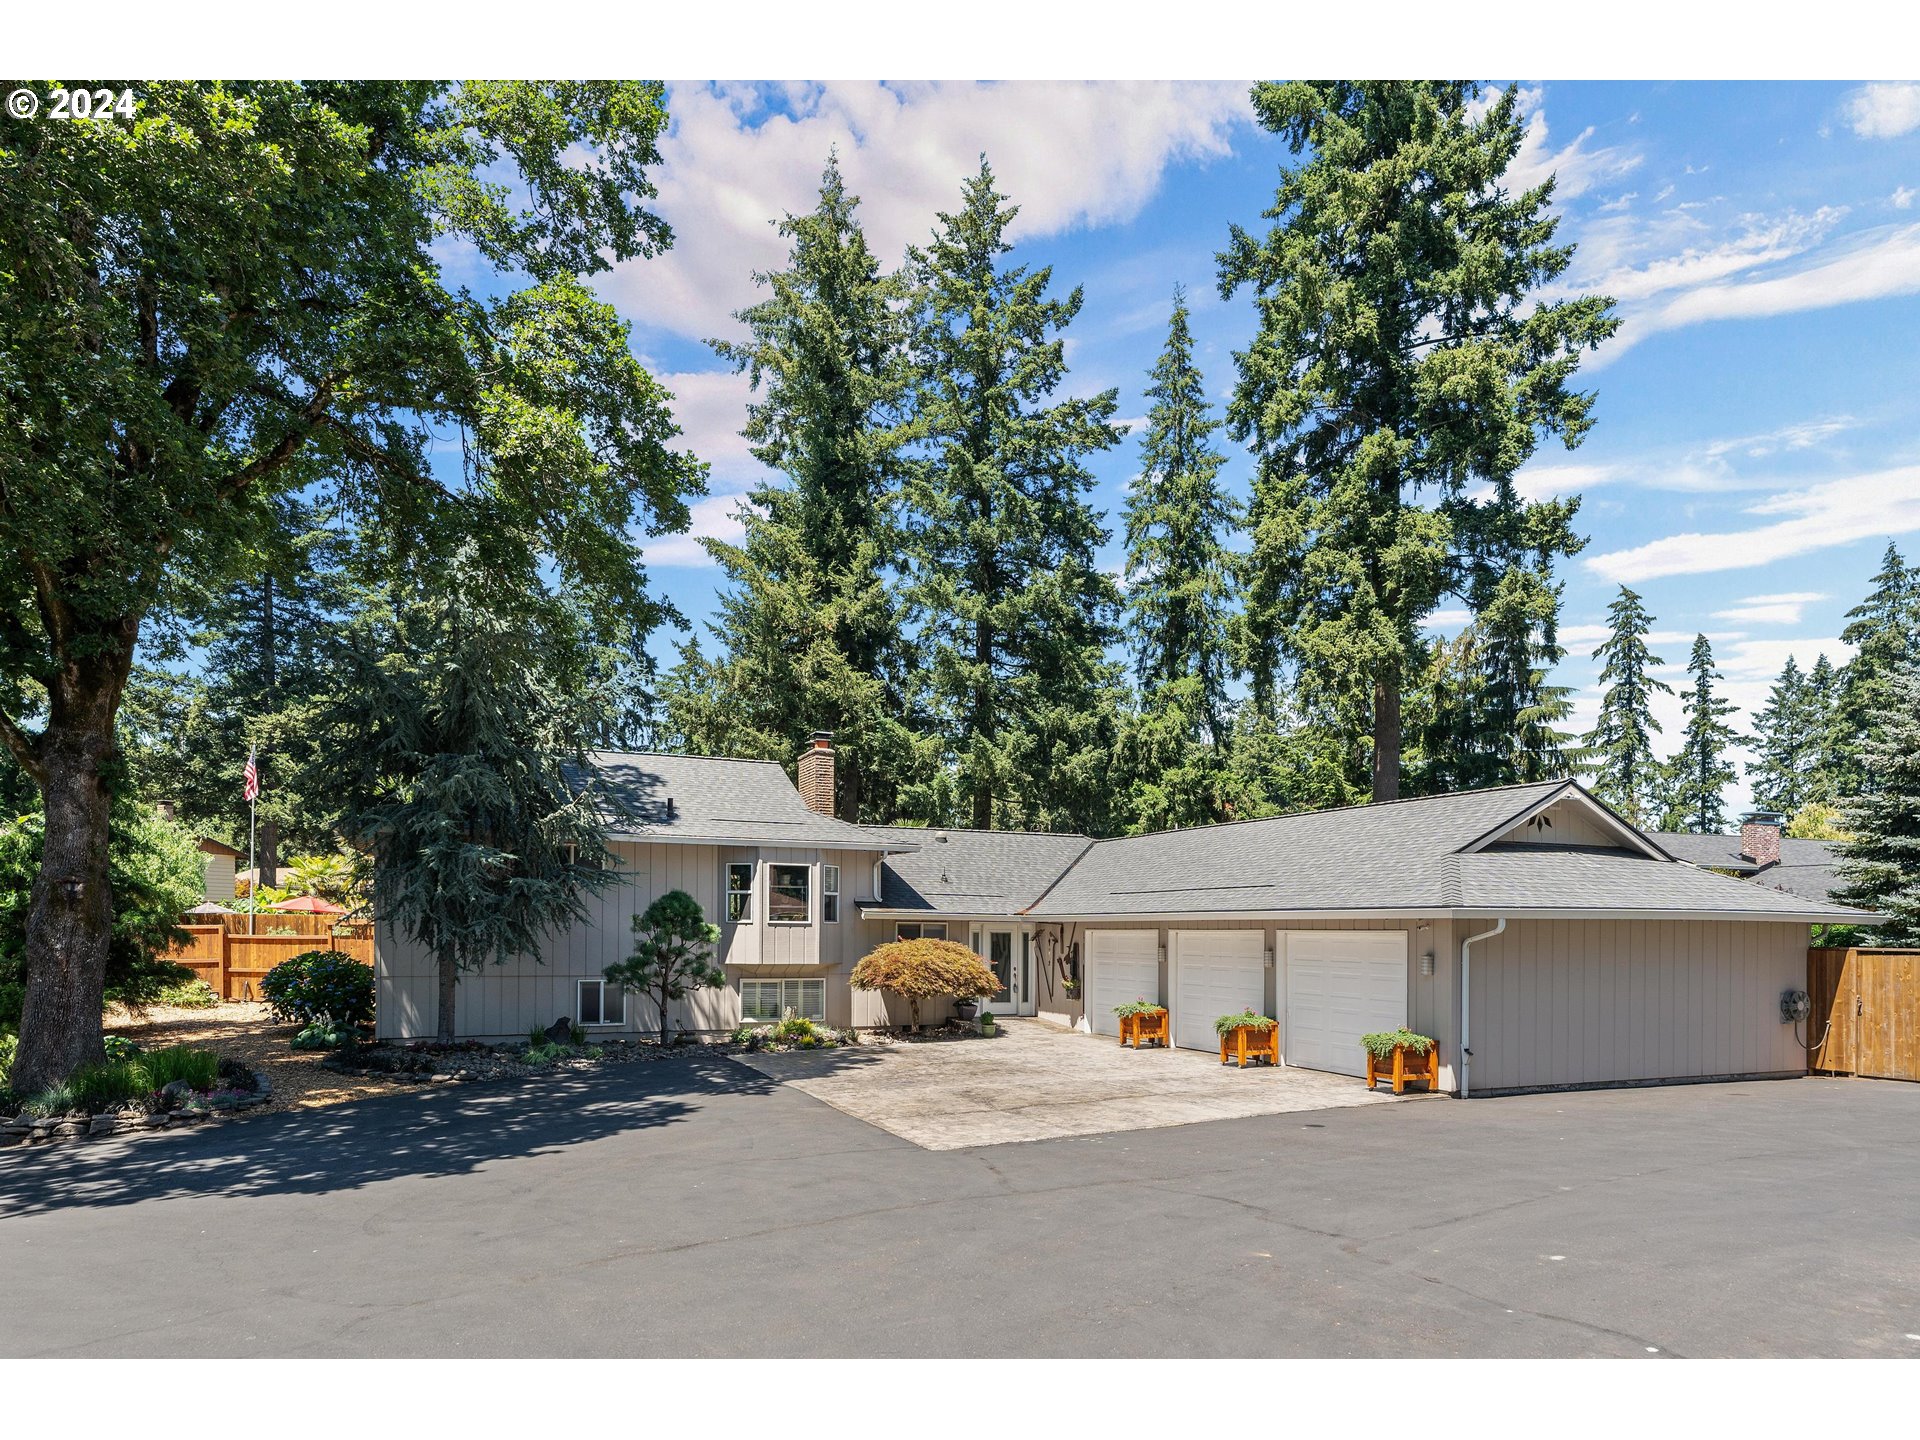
1122	965
1215	973
1341	986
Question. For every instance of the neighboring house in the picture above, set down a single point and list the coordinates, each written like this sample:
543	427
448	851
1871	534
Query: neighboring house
1763	853
219	861
1589	955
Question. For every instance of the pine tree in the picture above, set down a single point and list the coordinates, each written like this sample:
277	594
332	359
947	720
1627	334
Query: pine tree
810	628
1396	374
1884	630
1013	613
1786	742
1823	693
1625	772
1880	864
457	751
1700	770
1177	519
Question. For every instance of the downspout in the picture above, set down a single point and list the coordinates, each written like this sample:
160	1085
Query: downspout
1466	1004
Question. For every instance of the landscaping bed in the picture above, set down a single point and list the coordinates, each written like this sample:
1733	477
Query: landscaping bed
135	1089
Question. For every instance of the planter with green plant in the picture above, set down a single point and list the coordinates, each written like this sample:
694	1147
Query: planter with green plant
1143	1021
988	1025
1401	1055
1247	1036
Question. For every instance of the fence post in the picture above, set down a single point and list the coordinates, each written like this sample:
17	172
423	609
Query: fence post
220	972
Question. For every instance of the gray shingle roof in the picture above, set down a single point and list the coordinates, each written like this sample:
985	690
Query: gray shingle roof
1808	869
701	797
1516	879
974	872
1366	857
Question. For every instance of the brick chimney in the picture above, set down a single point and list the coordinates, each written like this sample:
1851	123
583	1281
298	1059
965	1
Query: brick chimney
816	773
1760	837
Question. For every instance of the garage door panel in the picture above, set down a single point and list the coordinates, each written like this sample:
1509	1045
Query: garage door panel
1340	987
1216	972
1122	965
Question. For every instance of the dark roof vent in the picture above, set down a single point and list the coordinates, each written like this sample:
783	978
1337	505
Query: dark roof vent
670	810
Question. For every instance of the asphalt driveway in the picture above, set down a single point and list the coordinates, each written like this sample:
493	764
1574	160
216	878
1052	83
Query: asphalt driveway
1035	1081
693	1207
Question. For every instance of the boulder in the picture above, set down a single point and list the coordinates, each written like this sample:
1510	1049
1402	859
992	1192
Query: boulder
561	1031
102	1125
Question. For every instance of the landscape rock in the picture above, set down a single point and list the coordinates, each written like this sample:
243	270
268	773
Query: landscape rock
102	1125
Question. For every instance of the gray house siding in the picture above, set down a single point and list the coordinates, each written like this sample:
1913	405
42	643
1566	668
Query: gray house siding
1598	1002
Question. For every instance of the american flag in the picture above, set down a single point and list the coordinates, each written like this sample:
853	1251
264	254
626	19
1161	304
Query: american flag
251	791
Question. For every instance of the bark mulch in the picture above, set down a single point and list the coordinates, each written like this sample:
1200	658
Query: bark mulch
248	1032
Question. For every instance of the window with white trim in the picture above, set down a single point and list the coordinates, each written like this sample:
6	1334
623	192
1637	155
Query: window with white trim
920	930
599	1002
829	893
739	892
768	1001
788	899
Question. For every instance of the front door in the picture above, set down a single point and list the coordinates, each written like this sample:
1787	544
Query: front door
1011	969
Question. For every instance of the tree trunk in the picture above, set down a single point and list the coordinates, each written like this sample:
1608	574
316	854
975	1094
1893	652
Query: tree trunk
269	861
449	989
663	1017
1386	738
70	915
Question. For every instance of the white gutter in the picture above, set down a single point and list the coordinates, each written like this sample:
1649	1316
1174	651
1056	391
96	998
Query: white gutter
1466	1004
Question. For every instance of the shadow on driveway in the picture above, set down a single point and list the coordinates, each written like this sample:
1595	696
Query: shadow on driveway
447	1130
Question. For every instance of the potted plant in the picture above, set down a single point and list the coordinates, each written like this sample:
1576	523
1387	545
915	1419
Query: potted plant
1247	1035
1142	1020
1401	1055
965	1009
987	1024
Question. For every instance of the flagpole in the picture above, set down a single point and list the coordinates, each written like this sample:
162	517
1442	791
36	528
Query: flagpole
253	864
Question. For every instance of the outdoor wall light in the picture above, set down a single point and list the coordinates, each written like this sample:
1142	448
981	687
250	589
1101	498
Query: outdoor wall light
1426	963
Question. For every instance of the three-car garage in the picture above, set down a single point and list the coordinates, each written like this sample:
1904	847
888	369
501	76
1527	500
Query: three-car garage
1326	987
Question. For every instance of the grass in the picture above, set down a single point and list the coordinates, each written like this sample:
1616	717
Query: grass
199	1068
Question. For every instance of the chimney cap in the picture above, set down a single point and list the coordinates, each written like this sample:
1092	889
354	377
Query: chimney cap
1762	817
822	737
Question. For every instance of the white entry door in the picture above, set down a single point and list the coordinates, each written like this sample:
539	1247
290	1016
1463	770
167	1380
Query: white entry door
1215	973
1122	965
1009	956
1342	985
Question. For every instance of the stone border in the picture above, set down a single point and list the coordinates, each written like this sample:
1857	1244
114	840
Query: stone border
57	1128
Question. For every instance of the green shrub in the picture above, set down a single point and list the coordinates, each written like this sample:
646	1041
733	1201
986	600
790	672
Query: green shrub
54	1100
321	985
1139	1007
547	1052
192	995
324	1036
13	999
8	1044
199	1068
1380	1044
1245	1019
119	1047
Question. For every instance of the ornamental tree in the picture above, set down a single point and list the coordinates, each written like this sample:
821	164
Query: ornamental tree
672	954
924	970
238	296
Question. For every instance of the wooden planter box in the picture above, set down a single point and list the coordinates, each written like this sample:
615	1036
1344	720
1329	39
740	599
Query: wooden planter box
1405	1065
1147	1029
1251	1042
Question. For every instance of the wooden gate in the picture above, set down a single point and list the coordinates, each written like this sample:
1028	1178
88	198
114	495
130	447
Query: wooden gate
1866	1013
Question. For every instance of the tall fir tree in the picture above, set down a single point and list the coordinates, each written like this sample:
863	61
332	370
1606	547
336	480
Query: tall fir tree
1823	693
1702	768
1013	613
1178	517
1884	630
810	629
1397	381
1880	861
1625	771
1786	743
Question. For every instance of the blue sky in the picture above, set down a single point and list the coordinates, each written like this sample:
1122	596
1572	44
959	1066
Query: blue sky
1757	440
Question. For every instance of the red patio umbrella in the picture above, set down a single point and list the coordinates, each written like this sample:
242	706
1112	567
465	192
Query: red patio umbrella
307	905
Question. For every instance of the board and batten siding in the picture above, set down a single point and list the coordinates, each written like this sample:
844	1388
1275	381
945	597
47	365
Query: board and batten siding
1597	1002
219	876
507	1000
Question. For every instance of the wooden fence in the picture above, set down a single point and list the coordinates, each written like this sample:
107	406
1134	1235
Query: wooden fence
234	964
1866	1013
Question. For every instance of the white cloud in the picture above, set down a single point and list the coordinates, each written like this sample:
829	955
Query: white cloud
1818	517
1447	619
713	516
711	406
1800	435
1902	197
1760	240
1551	480
1770	609
1069	154
1575	167
1884	110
